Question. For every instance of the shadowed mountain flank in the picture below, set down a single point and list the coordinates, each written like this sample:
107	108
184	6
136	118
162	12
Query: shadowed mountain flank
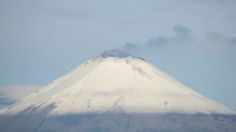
119	122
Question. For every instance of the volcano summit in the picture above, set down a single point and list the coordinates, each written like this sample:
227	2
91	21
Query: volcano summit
117	92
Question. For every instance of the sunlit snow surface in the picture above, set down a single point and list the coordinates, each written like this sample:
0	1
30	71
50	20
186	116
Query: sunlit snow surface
116	81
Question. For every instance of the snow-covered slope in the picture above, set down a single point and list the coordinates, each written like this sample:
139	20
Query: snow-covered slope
117	81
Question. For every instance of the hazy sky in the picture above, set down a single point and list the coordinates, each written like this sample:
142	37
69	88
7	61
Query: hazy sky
192	40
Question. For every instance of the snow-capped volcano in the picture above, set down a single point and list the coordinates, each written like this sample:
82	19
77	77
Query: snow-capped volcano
117	81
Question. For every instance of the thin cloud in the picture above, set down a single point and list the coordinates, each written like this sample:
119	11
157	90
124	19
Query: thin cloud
12	93
181	30
130	46
215	37
159	40
184	40
62	12
182	35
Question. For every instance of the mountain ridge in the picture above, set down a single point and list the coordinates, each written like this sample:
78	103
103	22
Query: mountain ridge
118	81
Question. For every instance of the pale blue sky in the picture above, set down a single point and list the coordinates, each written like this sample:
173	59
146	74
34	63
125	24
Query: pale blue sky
193	40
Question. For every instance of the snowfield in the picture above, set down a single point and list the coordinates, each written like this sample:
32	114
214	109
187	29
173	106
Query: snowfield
117	81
